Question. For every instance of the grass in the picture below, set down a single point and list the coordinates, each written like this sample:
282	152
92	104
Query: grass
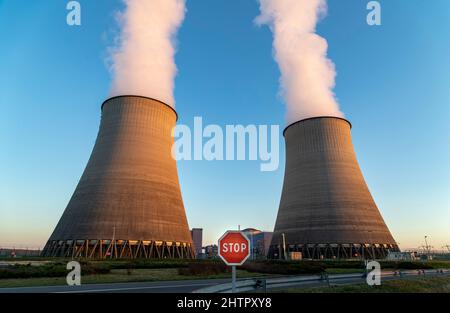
412	285
120	276
110	271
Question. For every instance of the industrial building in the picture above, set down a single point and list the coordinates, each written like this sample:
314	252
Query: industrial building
259	242
14	253
197	239
326	209
128	201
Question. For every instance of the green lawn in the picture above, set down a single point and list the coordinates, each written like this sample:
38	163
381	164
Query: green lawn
120	276
413	285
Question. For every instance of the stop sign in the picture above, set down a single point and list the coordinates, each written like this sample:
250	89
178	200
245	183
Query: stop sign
234	248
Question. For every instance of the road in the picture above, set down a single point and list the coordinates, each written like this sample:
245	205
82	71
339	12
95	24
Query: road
184	286
306	281
188	286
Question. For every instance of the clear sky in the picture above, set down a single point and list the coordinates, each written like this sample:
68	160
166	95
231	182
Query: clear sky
393	84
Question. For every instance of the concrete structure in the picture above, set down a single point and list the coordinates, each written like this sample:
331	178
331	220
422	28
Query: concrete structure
211	251
259	242
128	202
295	256
400	256
326	209
197	239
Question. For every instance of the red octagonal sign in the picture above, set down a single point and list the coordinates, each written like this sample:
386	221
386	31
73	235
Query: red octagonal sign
234	248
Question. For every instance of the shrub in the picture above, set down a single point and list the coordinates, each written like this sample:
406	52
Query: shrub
285	268
204	269
413	265
28	271
49	270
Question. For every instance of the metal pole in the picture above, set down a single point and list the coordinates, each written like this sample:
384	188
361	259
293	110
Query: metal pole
233	278
251	245
284	246
427	247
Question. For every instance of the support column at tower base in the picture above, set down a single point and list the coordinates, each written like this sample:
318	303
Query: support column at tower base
334	251
118	249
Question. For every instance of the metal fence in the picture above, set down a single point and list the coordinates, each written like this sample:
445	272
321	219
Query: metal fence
12	252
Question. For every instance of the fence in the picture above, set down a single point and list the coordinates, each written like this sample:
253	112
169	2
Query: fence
11	252
263	284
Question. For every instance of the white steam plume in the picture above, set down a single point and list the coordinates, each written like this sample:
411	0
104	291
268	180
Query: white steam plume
307	75
143	61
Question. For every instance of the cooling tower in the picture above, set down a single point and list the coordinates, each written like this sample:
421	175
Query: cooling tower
326	209
128	202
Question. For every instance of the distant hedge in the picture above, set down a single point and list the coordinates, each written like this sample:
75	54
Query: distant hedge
48	270
204	269
405	265
90	267
153	263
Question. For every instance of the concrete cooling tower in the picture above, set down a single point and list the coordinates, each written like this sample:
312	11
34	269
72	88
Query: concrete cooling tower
326	209
128	202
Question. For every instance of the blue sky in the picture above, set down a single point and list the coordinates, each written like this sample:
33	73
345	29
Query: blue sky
392	84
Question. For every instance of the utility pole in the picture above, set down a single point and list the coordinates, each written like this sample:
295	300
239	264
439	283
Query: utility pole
427	247
252	255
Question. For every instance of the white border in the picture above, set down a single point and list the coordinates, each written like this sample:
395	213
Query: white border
249	247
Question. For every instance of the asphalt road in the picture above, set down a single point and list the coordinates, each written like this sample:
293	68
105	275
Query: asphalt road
186	286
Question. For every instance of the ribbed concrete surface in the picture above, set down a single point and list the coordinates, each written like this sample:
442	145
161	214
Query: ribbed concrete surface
325	199
130	183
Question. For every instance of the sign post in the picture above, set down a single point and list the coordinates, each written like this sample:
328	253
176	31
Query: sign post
233	279
234	250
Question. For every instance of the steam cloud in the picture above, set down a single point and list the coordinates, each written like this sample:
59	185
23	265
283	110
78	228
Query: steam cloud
307	75
143	61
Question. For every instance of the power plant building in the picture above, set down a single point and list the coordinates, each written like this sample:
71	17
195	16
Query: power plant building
326	209
128	201
197	239
259	242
